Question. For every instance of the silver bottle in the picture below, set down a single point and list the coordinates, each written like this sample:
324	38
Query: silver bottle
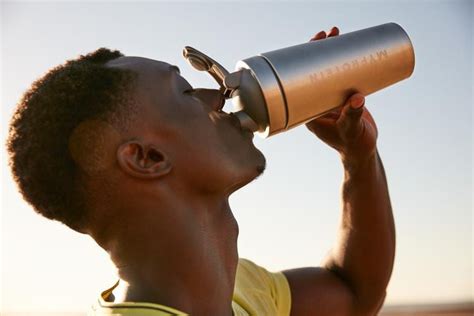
278	90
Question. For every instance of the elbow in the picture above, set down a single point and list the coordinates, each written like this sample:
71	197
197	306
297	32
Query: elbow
367	297
369	306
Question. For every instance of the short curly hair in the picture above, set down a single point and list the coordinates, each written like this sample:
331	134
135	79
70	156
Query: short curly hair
77	91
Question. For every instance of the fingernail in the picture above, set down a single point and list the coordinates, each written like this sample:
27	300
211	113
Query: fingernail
357	102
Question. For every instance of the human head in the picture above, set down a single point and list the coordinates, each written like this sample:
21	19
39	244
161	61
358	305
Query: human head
104	122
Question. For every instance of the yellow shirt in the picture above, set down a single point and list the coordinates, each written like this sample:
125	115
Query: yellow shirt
256	292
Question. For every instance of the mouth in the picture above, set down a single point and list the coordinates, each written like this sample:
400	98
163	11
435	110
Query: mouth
248	133
236	122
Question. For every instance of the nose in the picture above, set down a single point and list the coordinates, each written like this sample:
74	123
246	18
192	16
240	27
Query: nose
212	97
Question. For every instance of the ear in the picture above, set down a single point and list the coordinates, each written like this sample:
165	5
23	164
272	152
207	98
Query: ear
142	161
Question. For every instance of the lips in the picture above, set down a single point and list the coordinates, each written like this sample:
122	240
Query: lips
248	133
235	121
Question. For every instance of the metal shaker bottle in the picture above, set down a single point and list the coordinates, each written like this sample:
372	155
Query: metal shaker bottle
278	90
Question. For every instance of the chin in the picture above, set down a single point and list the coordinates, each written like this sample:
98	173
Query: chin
250	174
262	163
261	168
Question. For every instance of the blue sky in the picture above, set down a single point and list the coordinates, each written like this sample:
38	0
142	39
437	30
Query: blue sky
288	217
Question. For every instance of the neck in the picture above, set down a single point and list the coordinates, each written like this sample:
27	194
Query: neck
182	255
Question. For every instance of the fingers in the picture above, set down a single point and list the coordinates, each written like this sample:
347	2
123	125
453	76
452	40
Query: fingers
356	101
325	129
349	122
322	35
334	114
333	32
318	36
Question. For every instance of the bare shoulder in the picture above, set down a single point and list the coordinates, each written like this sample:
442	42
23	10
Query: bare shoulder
318	291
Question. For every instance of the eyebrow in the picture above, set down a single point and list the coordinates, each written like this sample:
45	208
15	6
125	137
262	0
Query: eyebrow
175	83
175	68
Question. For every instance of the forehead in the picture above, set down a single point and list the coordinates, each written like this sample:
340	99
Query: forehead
158	86
144	67
154	76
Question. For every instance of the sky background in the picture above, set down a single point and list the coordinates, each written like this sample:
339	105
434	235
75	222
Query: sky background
289	216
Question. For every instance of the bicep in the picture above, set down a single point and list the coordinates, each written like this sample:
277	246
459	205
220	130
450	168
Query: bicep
319	292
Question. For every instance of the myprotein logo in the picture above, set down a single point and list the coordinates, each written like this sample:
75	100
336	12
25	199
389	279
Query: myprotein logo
347	66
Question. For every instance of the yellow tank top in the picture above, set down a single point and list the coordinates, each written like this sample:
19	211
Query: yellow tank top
256	292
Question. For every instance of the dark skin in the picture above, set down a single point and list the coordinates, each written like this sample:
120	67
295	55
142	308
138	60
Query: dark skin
167	224
353	278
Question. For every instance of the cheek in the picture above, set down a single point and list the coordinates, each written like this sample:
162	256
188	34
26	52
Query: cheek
206	137
198	142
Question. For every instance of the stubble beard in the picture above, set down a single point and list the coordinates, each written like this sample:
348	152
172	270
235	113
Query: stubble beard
261	167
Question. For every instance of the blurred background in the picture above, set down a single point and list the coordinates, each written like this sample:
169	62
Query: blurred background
289	216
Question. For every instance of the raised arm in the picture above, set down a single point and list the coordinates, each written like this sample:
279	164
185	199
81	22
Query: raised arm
353	279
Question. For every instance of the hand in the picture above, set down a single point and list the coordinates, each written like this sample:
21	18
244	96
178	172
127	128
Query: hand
350	129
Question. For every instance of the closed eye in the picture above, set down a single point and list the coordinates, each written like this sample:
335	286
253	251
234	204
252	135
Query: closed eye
205	97
191	92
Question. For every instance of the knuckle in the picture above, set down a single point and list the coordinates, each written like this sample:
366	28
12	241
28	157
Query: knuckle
351	129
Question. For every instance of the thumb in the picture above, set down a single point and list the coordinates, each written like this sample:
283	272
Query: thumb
349	122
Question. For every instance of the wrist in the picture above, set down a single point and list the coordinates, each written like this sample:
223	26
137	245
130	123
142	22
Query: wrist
357	164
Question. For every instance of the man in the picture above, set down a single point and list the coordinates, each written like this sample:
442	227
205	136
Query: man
123	149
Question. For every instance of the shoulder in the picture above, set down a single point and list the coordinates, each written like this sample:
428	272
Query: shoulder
255	283
251	273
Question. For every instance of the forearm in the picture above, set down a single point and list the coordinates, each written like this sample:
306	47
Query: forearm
364	253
